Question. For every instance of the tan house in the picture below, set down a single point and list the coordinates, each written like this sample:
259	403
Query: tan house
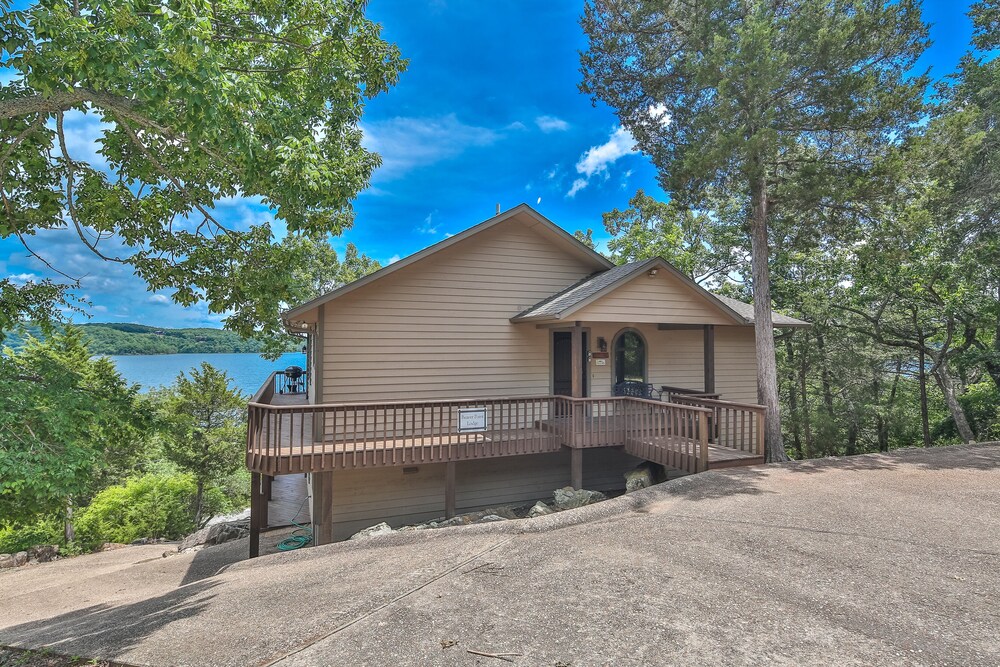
495	366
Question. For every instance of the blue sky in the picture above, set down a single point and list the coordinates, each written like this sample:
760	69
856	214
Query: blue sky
488	113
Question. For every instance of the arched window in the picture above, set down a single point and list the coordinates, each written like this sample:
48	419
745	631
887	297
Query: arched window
630	357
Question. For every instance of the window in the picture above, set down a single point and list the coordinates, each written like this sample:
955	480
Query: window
630	357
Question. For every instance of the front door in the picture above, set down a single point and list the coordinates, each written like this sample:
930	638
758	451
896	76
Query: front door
562	368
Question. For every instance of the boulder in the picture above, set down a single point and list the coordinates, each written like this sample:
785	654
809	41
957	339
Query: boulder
539	509
639	477
490	518
20	558
215	534
568	498
6	560
44	553
372	531
460	520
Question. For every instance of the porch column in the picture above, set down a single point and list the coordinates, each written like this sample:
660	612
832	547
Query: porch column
577	366
449	489
709	356
257	498
576	350
319	419
322	507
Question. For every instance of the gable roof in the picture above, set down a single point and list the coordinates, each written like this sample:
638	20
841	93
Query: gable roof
563	304
522	211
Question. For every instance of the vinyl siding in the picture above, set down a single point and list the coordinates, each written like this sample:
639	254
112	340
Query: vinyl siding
440	328
362	498
676	358
657	299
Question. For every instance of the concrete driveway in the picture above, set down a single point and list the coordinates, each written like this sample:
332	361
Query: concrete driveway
871	560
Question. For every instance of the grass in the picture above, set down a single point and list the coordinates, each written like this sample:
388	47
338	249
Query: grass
16	657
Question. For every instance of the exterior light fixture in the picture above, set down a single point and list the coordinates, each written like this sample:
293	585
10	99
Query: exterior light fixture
652	272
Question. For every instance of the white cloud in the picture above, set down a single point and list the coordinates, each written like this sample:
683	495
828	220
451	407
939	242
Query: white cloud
539	201
159	299
551	124
597	159
578	184
428	227
659	112
516	125
22	278
392	260
410	143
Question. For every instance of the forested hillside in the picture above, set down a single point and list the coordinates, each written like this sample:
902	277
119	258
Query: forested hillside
118	339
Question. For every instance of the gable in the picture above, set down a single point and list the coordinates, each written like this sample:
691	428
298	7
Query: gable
515	254
661	298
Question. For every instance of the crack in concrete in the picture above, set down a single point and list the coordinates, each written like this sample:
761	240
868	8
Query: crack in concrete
385	605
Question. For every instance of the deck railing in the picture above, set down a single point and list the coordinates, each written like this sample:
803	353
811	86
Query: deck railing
299	438
738	426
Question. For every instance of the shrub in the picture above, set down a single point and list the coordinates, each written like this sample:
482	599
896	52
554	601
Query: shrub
14	537
981	403
148	506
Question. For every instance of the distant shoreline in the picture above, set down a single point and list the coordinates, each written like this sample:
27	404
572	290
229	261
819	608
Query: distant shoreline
128	339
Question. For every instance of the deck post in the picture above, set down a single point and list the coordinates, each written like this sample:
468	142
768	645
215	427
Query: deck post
703	440
709	356
449	489
576	365
256	497
322	507
576	468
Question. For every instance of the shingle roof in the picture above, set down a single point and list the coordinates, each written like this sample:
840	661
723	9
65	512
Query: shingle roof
574	296
746	311
581	291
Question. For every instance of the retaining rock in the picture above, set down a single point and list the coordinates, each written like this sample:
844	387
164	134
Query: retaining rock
568	498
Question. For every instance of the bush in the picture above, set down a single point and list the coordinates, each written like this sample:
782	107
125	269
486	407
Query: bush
981	403
148	506
14	538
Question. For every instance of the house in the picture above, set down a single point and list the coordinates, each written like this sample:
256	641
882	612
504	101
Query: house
497	365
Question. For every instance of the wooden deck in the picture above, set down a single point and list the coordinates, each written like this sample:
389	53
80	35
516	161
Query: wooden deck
292	448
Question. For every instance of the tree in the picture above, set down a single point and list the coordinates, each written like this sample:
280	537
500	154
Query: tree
69	424
197	101
203	426
774	102
702	245
317	269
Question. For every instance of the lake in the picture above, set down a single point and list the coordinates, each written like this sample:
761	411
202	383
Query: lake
247	372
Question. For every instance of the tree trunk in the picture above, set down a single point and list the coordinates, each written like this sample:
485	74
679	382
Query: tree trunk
767	366
197	503
69	532
925	424
825	375
804	391
949	388
793	400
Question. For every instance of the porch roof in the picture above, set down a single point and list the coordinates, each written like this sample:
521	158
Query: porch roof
572	299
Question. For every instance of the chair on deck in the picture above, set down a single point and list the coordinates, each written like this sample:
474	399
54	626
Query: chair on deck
637	390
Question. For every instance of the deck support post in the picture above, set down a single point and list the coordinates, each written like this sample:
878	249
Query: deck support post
576	468
258	505
265	497
449	489
322	507
709	356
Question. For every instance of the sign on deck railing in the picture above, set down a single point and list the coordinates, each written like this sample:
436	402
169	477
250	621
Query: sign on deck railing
472	420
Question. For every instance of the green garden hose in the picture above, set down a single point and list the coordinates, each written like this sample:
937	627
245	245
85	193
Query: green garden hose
300	537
